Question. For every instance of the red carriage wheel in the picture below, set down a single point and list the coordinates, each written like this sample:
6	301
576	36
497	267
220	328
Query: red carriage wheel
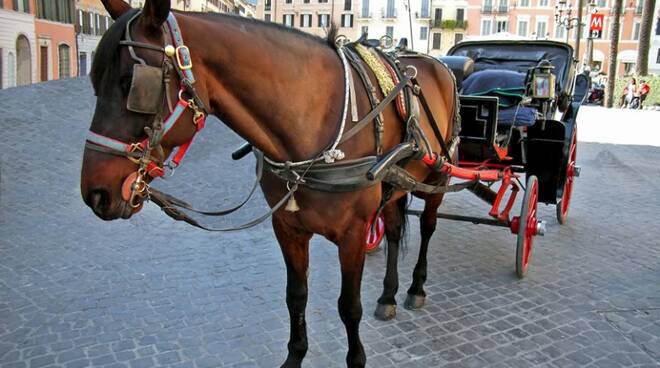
375	232
571	173
527	226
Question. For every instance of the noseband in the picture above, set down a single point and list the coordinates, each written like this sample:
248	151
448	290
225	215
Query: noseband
149	92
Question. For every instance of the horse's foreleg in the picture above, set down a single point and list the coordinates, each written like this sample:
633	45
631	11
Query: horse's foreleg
351	258
386	308
427	222
295	249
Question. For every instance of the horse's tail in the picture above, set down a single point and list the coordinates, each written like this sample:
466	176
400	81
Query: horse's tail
402	206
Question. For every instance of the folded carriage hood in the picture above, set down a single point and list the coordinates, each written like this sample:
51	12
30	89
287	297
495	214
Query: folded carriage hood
520	56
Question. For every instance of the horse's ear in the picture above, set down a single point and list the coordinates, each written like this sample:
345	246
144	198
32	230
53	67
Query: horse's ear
155	12
116	8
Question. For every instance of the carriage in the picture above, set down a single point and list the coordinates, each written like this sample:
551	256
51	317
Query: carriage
518	106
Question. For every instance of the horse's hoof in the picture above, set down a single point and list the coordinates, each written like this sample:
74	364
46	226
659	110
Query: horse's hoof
414	302
385	312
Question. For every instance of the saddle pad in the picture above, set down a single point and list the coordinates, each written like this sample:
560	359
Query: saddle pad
386	76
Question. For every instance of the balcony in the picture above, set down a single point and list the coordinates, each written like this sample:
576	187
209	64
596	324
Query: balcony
390	15
487	9
450	24
422	15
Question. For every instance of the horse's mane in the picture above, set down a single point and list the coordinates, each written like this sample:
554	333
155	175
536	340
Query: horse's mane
329	40
107	50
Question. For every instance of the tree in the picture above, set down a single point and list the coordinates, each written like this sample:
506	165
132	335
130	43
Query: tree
645	38
614	51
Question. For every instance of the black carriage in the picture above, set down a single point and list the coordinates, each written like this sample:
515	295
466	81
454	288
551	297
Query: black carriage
519	104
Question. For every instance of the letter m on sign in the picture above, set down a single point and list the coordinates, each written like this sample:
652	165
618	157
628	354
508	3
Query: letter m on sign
596	25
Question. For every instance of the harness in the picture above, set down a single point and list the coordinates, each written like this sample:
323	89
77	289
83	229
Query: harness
148	94
327	171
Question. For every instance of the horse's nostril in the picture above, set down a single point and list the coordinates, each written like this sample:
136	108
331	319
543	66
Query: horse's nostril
97	200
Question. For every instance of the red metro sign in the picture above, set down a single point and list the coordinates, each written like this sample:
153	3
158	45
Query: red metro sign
596	25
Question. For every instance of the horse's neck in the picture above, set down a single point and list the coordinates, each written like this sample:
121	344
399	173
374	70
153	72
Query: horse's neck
280	91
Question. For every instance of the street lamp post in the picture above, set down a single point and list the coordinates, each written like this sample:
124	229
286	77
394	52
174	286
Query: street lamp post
564	18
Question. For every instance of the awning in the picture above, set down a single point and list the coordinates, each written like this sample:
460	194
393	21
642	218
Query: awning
598	56
627	56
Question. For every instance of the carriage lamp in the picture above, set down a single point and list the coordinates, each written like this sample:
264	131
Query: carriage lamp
543	81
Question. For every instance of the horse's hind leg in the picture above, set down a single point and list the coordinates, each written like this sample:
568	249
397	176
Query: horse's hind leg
351	259
394	221
427	221
295	249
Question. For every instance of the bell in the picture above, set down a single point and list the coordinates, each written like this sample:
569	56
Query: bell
170	50
292	205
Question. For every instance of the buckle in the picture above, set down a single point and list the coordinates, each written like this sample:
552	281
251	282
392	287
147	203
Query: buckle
183	59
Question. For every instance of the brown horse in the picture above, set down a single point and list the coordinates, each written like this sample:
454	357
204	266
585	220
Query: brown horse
282	91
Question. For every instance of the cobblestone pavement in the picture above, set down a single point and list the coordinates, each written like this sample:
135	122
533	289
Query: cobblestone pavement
76	291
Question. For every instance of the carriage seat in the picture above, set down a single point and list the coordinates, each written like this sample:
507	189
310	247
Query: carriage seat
509	87
461	66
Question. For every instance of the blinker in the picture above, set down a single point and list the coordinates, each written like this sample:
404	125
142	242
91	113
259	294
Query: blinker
145	95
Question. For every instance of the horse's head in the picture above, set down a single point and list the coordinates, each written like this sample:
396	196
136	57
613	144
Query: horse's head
137	86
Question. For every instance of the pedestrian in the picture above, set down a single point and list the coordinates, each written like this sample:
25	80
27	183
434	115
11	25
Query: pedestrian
629	93
644	90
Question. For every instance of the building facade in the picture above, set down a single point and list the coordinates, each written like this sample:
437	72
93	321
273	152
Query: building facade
18	50
215	6
312	16
56	39
654	49
92	21
535	19
244	8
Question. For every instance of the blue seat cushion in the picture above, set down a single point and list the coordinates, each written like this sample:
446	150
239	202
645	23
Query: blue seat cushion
508	85
524	116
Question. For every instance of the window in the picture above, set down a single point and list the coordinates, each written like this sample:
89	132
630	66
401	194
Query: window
64	61
323	1
541	29
267	17
288	1
635	34
657	27
657	58
437	40
486	27
305	20
391	11
1	53
56	10
460	16
502	26
347	4
488	6
437	19
424	13
11	70
523	3
267	5
287	20
423	33
306	1
628	68
523	25
21	5
543	2
365	9
82	68
389	31
458	37
347	20
504	6
602	3
324	20
364	30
